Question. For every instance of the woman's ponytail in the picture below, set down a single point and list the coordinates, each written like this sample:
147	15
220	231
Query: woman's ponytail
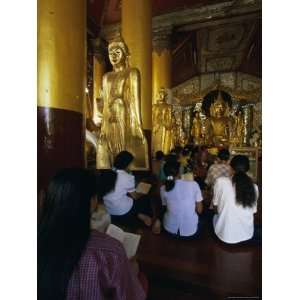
171	169
245	192
169	183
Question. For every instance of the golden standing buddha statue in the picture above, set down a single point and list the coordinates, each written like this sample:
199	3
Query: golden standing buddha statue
220	121
196	131
121	122
162	123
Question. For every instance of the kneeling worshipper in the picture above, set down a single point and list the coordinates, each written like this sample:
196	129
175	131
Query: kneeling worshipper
183	202
123	203
220	168
75	262
235	201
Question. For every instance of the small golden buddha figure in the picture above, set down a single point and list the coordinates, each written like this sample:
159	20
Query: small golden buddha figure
240	128
196	131
237	130
206	134
183	139
177	130
162	123
121	127
220	121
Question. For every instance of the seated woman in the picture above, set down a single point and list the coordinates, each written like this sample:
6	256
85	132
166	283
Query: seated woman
123	203
183	200
75	262
235	200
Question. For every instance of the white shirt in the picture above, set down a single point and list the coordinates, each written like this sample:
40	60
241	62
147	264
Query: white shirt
181	207
117	202
233	223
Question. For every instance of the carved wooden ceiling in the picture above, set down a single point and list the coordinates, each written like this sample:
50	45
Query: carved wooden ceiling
109	11
224	40
234	45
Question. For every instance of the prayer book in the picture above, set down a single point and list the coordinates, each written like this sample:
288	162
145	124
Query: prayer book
143	188
129	240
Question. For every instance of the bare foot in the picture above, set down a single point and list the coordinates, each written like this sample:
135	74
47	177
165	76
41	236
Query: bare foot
156	228
147	220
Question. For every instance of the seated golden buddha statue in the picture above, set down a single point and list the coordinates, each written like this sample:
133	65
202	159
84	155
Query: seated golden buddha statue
162	123
196	131
220	121
121	127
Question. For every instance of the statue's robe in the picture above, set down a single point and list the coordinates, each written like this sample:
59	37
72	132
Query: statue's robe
121	125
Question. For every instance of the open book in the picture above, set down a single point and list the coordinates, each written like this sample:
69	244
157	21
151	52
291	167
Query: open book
143	188
129	240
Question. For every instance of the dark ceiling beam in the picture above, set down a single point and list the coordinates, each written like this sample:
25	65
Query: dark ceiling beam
218	22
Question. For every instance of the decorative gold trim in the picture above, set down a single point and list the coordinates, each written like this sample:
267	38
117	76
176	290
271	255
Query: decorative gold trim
253	96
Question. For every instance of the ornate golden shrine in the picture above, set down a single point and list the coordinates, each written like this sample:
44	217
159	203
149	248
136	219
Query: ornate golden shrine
240	123
224	125
221	123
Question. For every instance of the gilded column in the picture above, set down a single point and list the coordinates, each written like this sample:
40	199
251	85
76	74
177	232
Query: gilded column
161	61
61	86
137	33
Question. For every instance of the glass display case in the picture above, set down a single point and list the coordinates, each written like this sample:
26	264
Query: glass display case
253	154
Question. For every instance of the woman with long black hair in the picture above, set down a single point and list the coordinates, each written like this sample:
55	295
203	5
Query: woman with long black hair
75	262
235	200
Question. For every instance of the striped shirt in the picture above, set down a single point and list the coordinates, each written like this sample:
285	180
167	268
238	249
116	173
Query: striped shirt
215	171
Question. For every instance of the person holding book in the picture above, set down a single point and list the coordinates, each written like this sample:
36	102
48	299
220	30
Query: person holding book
124	203
235	203
183	202
75	262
